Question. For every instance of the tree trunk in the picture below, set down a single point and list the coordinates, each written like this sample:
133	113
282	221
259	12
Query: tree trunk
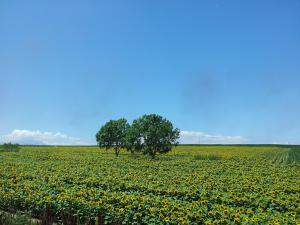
153	155
117	151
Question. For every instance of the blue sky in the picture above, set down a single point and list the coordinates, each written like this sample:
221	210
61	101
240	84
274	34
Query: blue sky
221	71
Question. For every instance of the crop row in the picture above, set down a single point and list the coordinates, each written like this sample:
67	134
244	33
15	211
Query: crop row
71	186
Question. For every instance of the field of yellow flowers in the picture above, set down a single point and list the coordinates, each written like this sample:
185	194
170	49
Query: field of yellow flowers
190	185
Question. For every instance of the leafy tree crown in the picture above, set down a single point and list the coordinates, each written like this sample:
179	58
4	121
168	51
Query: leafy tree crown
112	135
155	134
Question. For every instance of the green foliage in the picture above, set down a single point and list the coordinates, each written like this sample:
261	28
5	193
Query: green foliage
152	134
15	219
207	157
9	147
112	135
133	140
74	185
290	155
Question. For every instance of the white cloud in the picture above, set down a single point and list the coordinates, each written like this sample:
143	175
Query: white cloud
49	138
196	137
40	138
281	143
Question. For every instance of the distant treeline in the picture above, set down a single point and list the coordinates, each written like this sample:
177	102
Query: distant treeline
243	145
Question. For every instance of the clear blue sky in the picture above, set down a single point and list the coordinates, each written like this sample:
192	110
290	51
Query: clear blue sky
227	68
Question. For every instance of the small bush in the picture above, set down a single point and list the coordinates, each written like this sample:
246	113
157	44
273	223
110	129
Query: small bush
9	147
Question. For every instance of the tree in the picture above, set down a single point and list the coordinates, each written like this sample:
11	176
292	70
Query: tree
153	134
133	139
9	147
112	135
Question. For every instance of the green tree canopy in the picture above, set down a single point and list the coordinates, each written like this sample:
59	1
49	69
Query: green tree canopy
10	147
152	134
113	134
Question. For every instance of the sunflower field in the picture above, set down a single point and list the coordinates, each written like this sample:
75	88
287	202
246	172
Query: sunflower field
190	185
